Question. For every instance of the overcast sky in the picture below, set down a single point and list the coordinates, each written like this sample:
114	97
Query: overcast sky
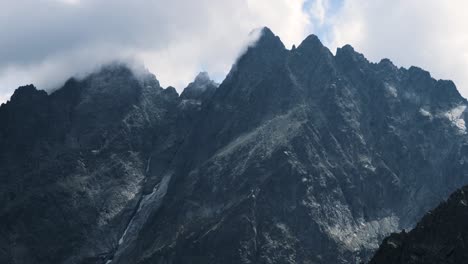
46	41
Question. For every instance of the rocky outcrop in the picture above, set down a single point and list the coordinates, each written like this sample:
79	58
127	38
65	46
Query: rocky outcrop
440	237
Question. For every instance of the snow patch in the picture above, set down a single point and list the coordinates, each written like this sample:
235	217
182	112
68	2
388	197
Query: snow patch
363	234
148	163
463	202
455	116
187	103
148	203
159	191
266	138
392	244
282	227
391	90
424	112
367	163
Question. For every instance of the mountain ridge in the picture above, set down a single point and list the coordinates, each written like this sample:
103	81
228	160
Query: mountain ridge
299	156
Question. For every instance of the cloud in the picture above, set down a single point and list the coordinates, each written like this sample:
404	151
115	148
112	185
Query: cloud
46	41
431	34
318	11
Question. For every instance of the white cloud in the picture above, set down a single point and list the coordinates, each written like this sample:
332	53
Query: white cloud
46	41
70	2
318	11
286	18
431	34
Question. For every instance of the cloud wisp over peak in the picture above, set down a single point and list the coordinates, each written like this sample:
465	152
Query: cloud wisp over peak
45	42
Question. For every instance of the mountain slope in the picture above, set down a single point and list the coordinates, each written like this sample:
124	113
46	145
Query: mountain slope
299	156
440	237
74	163
305	157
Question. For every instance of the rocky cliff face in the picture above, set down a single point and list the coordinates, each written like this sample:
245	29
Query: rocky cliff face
440	237
73	164
299	156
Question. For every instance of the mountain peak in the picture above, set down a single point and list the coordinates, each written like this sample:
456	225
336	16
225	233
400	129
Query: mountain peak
346	55
268	39
114	68
202	78
30	88
265	53
27	91
266	31
312	47
202	82
200	88
130	70
347	48
347	51
311	41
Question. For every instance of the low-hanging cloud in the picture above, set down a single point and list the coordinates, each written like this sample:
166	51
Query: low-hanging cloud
46	41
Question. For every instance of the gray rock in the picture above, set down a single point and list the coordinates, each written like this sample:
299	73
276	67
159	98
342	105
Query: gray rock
299	156
440	237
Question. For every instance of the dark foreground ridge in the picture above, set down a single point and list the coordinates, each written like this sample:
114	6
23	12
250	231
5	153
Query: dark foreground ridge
440	237
298	156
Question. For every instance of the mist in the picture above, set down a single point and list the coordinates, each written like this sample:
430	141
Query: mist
46	42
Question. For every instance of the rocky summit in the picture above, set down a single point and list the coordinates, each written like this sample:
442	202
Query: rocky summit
298	156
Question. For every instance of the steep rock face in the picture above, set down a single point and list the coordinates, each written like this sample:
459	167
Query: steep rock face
74	163
440	237
299	156
305	157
